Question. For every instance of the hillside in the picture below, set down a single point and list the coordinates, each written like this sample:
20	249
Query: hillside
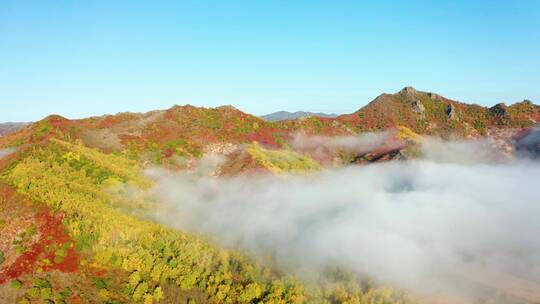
430	113
85	241
161	137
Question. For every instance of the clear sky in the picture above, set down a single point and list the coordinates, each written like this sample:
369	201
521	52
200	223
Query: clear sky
82	58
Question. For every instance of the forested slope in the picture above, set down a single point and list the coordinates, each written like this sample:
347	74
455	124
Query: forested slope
122	256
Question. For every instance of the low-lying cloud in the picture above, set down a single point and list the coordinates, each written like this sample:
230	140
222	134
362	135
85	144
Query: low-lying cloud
323	147
359	144
439	225
6	152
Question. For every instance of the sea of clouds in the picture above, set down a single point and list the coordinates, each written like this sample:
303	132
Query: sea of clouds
459	220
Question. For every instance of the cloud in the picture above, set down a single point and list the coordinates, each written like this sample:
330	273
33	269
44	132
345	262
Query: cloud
462	151
6	152
359	144
444	224
323	148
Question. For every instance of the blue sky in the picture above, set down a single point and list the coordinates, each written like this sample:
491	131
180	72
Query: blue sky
82	58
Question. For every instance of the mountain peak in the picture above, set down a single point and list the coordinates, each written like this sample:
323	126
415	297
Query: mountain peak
55	117
228	108
409	90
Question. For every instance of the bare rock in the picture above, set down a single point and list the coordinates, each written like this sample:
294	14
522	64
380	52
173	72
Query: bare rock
500	110
451	111
408	90
418	107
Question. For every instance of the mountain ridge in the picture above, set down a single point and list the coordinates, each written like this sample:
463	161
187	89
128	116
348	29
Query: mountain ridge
75	205
189	131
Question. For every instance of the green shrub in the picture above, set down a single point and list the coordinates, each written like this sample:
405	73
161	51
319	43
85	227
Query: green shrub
16	284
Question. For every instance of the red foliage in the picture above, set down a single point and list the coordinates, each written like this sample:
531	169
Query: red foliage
59	122
108	122
25	263
52	232
169	152
264	136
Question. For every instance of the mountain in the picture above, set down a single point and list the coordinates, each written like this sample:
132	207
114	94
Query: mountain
187	132
285	115
9	127
430	113
76	219
75	228
181	131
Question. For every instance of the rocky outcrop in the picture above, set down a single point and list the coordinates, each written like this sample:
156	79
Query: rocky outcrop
408	90
500	110
410	95
451	111
418	107
379	156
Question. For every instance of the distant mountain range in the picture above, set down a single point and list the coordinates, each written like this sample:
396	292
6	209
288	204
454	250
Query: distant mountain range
10	127
285	115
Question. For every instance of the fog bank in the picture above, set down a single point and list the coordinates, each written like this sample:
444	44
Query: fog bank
5	152
444	224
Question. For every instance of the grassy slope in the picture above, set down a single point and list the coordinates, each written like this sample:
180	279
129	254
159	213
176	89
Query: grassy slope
139	260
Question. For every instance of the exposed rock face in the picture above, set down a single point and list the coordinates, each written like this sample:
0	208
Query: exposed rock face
408	90
451	111
377	157
499	109
410	95
418	107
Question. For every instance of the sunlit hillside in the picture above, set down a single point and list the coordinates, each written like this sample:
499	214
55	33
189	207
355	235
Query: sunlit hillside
83	234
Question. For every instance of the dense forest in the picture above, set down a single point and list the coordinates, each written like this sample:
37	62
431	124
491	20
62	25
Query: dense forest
103	236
